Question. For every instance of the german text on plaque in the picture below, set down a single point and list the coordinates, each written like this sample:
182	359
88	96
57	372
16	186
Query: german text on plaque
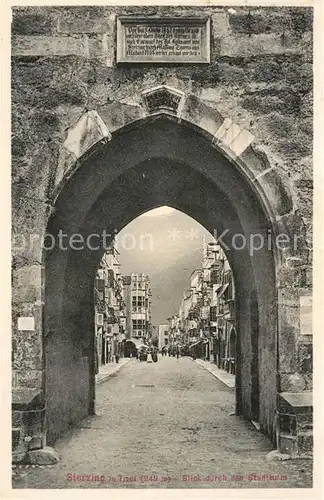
145	40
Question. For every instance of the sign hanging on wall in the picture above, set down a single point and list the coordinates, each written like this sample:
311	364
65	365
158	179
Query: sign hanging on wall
163	40
26	323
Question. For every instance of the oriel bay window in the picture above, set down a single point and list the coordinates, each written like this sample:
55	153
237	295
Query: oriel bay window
138	324
137	302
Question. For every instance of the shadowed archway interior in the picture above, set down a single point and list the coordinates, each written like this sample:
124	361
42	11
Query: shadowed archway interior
143	167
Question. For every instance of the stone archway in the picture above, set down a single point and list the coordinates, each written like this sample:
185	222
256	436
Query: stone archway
129	348
175	151
116	163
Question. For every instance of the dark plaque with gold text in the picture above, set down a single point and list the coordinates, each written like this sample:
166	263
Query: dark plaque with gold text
170	40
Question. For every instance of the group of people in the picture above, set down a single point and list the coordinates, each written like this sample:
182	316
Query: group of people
171	351
146	353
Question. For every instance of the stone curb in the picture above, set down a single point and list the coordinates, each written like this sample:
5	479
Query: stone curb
117	368
216	375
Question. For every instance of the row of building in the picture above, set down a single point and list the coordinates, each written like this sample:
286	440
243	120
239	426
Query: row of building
122	310
205	323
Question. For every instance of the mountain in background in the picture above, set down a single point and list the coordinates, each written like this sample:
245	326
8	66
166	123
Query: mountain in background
167	245
169	285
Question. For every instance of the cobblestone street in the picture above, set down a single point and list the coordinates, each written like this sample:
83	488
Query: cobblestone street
165	425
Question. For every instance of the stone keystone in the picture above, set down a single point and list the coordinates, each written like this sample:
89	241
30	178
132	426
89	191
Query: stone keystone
45	456
162	98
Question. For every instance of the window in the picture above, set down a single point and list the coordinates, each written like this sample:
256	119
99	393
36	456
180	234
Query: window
215	276
213	313
138	324
100	319
138	301
229	293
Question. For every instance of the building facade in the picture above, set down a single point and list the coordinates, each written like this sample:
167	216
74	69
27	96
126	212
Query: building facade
138	301
205	325
110	310
164	334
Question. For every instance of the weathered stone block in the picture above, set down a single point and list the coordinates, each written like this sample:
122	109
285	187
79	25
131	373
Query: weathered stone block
102	47
211	94
50	46
40	167
295	148
271	182
297	402
294	226
27	284
45	456
83	20
29	378
239	45
219	23
36	443
289	276
275	455
201	115
34	20
116	114
288	313
241	142
256	159
308	381
305	443
286	101
19	447
258	20
66	162
293	382
305	421
25	398
29	219
305	358
227	132
27	350
33	422
16	418
16	433
301	19
89	129
231	73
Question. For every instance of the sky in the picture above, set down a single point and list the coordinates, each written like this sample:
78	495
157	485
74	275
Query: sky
167	245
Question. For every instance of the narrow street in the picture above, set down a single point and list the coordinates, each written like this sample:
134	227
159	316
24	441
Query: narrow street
165	425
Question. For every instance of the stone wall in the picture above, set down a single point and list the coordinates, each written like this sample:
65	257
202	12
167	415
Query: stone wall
64	64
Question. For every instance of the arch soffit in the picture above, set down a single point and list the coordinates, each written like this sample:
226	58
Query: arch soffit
235	143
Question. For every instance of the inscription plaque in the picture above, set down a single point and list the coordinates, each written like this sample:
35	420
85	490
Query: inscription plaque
171	40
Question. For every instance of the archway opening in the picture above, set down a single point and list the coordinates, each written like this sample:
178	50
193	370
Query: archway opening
144	167
165	283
